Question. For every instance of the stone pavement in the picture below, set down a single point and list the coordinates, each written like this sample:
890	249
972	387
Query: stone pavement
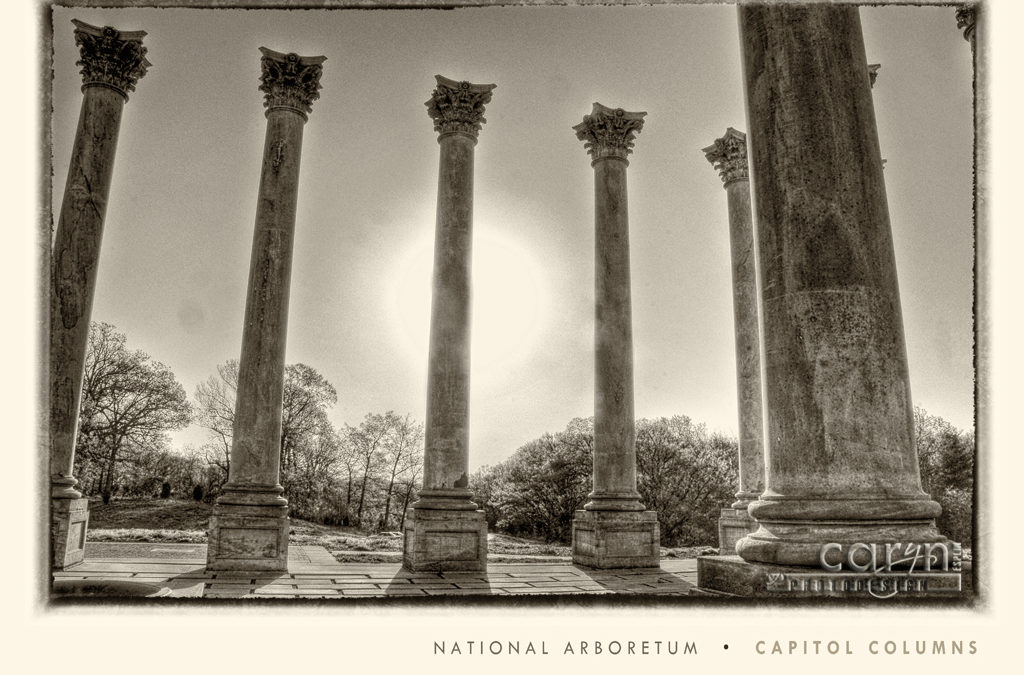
179	570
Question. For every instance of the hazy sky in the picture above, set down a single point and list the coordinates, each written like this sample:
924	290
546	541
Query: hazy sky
174	262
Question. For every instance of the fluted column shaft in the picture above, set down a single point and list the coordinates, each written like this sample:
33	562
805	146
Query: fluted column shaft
112	63
841	464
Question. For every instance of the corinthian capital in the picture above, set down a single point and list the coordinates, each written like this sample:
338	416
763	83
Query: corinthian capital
290	81
110	58
609	132
729	156
965	19
458	107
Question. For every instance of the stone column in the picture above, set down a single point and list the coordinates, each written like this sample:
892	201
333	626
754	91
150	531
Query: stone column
249	527
613	529
841	465
444	529
112	63
728	154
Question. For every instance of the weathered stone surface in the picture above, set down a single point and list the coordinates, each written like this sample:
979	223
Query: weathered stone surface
446	501
615	539
112	63
733	525
441	540
729	155
457	110
609	136
841	464
251	509
613	529
735	576
69	520
248	538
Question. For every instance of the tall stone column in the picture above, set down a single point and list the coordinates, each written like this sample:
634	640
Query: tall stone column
613	529
841	465
249	526
445	530
112	63
728	154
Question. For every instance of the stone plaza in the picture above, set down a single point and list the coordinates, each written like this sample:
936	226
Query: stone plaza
826	439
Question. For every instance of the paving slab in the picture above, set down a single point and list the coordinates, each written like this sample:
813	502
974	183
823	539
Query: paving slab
314	573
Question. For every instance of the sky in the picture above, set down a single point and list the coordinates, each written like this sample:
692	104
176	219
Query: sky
174	262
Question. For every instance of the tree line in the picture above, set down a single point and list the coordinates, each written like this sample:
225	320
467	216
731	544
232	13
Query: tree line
367	475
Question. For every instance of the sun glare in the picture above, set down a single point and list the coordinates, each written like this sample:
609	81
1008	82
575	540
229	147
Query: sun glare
508	303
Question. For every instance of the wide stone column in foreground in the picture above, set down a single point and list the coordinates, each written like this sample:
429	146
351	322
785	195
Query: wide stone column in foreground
613	529
444	528
112	63
841	463
249	527
728	154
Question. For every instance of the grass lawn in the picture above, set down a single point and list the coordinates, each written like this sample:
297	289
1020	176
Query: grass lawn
185	521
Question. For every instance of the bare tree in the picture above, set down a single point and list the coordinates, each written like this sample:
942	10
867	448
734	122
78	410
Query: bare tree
129	403
403	451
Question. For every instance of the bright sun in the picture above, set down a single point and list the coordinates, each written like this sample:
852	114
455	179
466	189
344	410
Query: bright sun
508	302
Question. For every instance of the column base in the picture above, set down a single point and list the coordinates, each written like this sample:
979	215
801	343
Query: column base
734	576
734	523
445	540
248	538
800	543
69	520
616	539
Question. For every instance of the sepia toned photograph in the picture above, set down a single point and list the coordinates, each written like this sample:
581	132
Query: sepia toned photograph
356	306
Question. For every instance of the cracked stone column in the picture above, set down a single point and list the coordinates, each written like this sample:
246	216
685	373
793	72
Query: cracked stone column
841	465
112	63
613	529
728	154
445	529
249	526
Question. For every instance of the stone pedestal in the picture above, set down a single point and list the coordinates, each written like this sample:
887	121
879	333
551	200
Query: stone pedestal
249	537
840	460
734	576
69	520
444	528
445	541
613	529
112	63
733	525
249	527
615	539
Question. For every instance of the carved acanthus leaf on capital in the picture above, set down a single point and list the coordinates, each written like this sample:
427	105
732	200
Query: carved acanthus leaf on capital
965	19
729	156
458	107
110	58
290	81
609	132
